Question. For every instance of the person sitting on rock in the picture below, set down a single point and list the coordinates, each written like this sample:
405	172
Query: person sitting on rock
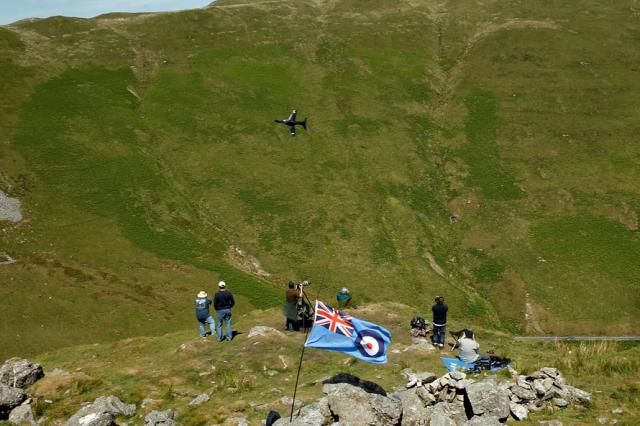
343	297
469	352
203	316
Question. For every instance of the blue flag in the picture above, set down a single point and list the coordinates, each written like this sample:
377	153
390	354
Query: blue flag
337	331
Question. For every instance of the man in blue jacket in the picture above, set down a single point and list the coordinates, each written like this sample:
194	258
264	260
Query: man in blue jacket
223	302
202	304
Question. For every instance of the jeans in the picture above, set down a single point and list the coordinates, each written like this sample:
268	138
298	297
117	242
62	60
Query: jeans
224	315
202	325
438	334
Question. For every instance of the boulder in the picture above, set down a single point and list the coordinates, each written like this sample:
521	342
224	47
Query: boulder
518	411
578	395
414	412
309	415
200	399
95	412
20	373
482	421
447	414
22	415
261	330
354	405
485	397
426	396
10	398
160	418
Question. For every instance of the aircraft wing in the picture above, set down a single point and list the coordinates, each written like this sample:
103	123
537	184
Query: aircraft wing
292	128
292	117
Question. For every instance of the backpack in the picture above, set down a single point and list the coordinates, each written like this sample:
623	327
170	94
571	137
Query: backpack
418	322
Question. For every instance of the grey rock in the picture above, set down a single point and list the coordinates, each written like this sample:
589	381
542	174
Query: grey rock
160	418
94	413
462	384
21	415
560	402
617	411
309	415
447	414
539	387
20	373
9	208
482	421
414	412
457	375
522	393
553	373
354	405
603	420
9	399
261	330
535	406
523	382
426	396
200	399
59	372
486	398
578	395
420	345
518	411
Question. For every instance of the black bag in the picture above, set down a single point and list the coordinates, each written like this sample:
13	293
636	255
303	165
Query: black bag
418	322
272	417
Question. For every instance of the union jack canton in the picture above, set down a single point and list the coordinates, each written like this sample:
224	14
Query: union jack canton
333	320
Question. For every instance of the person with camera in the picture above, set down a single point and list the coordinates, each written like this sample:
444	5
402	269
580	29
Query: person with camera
292	296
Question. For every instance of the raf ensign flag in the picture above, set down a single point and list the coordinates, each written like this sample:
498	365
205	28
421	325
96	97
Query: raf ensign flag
337	331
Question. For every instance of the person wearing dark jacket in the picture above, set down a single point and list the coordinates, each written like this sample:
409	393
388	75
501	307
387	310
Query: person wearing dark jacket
202	304
439	310
223	302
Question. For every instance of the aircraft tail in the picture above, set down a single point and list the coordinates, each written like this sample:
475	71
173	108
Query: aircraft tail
304	123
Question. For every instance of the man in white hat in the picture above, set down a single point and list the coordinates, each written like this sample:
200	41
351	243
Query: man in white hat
202	314
223	302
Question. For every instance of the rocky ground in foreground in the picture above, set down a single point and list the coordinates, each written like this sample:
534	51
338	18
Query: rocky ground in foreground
182	379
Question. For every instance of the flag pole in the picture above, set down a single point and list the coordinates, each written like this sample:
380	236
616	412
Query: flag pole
306	335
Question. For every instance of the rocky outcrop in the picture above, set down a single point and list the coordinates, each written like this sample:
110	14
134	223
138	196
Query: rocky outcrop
202	398
102	411
486	397
160	418
22	415
10	398
354	405
20	373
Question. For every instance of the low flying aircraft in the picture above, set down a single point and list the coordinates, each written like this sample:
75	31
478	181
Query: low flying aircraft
292	123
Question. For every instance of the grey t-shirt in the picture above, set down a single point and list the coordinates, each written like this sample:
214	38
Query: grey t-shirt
468	348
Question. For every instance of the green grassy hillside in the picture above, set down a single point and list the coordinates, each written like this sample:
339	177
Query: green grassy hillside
486	152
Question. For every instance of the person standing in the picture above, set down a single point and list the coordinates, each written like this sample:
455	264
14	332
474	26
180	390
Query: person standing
439	310
203	316
343	298
223	302
292	297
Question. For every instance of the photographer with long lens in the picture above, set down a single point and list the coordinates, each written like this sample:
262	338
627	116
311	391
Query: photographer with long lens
292	296
305	307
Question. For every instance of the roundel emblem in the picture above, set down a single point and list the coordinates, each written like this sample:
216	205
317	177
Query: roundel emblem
370	343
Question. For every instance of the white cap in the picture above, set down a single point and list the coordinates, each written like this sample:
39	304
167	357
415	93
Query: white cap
202	293
344	290
222	284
